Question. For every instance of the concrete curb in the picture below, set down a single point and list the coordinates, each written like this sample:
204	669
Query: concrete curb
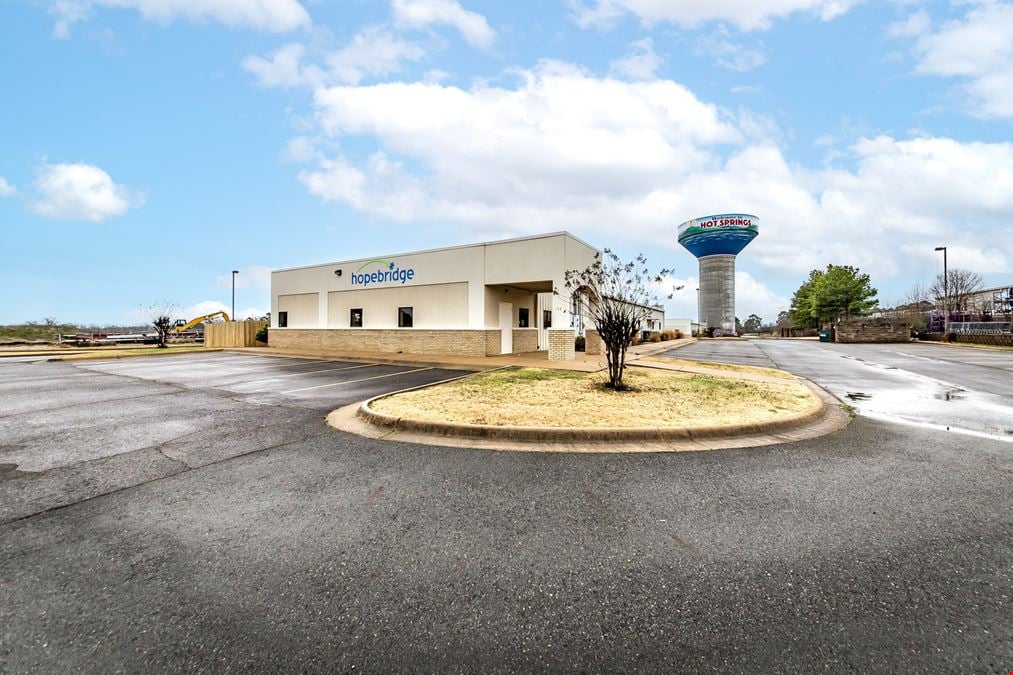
442	365
653	348
99	356
570	435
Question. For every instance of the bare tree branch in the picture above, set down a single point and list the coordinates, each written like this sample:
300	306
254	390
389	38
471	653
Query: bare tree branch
956	291
618	297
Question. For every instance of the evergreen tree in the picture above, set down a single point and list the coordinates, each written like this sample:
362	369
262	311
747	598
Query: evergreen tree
838	293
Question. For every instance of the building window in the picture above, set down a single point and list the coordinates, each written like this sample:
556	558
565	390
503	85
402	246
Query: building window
282	319
522	317
404	317
546	318
355	320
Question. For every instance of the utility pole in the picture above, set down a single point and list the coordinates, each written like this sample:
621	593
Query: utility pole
946	293
234	273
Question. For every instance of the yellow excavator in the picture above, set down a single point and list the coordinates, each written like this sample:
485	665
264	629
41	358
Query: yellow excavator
182	325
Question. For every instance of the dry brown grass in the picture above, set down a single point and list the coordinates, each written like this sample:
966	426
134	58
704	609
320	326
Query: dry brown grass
554	398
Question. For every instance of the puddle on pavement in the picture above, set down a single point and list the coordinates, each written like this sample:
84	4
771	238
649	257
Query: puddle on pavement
857	396
950	395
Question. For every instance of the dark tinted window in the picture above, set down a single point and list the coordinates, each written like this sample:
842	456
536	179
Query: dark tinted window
522	317
355	320
282	319
404	317
546	318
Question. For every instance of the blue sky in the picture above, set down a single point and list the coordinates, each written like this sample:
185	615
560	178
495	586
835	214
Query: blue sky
148	147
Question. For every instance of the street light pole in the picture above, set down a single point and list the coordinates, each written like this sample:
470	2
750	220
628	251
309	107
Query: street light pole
697	313
946	293
234	273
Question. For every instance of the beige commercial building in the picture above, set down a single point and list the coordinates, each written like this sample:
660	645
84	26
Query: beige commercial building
476	300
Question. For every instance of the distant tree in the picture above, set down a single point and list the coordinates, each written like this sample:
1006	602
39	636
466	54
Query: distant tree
752	324
828	296
913	307
50	321
956	292
163	318
783	317
802	313
618	297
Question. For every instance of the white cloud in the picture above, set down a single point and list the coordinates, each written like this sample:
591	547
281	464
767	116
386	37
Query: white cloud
81	192
436	76
6	189
914	25
744	14
383	189
753	297
251	277
980	50
284	68
276	16
562	141
373	52
564	149
683	303
730	51
640	62
208	306
301	149
424	13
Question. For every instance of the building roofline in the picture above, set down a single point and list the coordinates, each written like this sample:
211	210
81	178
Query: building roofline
547	235
992	290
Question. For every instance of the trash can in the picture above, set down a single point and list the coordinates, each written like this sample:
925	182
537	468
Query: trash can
827	335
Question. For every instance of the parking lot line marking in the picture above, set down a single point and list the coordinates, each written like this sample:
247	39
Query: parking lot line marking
168	360
375	377
247	364
248	367
310	372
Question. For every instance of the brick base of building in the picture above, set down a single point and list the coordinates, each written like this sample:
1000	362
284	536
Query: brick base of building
561	344
525	340
593	345
872	330
477	342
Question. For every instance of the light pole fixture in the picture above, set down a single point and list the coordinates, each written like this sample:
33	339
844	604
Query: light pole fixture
234	273
946	292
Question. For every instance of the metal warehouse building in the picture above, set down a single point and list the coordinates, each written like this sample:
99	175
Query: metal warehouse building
475	300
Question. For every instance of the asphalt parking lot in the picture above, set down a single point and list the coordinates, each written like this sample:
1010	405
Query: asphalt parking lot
274	543
951	389
71	431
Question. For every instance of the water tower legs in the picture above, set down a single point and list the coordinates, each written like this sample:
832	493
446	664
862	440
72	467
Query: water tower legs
717	291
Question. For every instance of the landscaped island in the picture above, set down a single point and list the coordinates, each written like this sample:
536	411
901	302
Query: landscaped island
559	398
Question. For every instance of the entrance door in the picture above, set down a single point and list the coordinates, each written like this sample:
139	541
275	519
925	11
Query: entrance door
506	327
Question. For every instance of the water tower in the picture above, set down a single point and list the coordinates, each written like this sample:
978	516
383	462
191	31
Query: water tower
715	241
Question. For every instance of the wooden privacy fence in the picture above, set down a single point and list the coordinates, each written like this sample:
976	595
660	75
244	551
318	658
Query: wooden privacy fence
232	334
